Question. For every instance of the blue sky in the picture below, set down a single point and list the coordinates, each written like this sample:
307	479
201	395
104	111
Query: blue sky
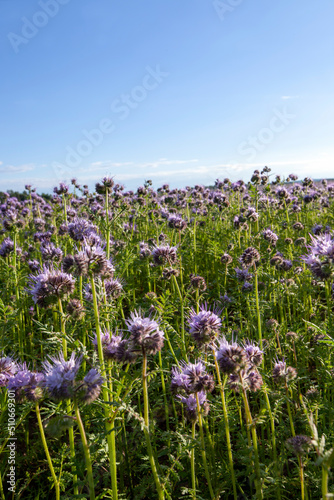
174	91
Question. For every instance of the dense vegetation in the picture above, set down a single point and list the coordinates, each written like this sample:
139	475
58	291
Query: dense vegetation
170	344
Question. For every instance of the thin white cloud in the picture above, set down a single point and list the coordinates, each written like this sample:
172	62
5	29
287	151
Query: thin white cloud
16	169
290	97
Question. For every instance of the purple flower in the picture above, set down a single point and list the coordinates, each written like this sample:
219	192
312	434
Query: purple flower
62	189
80	229
7	246
164	254
230	356
176	221
91	260
91	387
49	286
179	381
146	335
50	252
204	326
243	275
26	384
192	377
254	353
191	410
60	376
113	288
8	368
283	373
270	236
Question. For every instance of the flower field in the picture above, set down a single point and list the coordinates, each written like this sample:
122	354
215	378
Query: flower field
169	344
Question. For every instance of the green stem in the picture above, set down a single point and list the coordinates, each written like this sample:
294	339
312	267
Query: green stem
109	423
184	353
289	412
259	329
324	483
273	440
147	430
301	473
227	426
251	425
192	461
68	402
107	225
207	474
86	452
62	327
46	449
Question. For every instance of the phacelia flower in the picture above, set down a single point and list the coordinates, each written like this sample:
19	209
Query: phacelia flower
192	377
204	326
8	368
60	376
230	356
145	334
164	254
283	373
50	285
26	384
191	409
270	236
253	353
250	257
197	282
91	387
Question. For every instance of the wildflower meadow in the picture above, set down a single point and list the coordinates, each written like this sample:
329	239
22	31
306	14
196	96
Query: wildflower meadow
168	344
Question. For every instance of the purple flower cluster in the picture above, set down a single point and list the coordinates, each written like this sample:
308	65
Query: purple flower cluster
49	286
61	384
240	363
145	334
191	382
320	258
25	383
204	326
8	368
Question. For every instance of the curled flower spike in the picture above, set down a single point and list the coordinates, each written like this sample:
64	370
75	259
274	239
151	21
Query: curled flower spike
146	336
191	411
80	229
230	356
60	376
164	254
50	285
91	387
254	353
26	384
116	348
250	257
192	377
243	275
248	379
283	373
204	326
61	384
8	368
270	236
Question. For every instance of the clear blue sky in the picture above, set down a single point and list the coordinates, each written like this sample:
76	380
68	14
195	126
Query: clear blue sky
178	91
